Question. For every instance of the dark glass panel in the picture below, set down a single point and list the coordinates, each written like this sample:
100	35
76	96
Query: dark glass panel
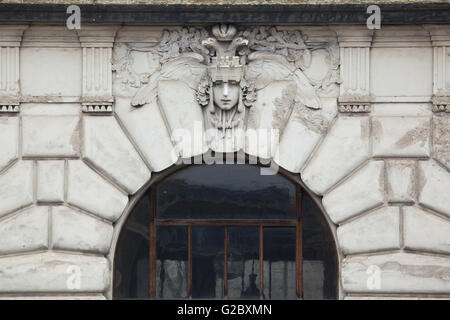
172	262
207	262
225	192
243	263
132	256
319	255
279	263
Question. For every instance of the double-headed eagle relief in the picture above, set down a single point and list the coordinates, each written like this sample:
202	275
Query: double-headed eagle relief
233	76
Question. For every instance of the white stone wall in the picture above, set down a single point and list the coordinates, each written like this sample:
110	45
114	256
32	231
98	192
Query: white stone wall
73	158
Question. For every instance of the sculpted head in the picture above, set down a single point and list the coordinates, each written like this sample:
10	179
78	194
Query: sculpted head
226	94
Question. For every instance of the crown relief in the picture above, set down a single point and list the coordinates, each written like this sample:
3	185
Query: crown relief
225	67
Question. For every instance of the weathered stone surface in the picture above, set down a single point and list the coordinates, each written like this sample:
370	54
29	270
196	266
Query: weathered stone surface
399	273
401	71
401	109
184	117
378	230
9	140
433	185
25	231
54	272
345	147
107	148
58	73
441	140
401	136
50	181
50	109
45	136
72	230
89	191
424	231
362	191
268	117
148	129
16	187
302	133
401	181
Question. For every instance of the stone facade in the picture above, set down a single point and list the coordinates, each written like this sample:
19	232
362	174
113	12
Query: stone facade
84	125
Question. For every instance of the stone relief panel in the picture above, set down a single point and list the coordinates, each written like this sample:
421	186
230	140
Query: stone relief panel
228	80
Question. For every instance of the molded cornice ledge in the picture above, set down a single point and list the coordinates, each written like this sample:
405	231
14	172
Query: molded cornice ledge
140	11
10	40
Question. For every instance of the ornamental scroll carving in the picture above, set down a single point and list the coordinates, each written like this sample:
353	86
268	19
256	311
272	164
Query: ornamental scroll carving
226	68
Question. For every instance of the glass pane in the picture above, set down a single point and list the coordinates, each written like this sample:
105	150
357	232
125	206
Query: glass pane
225	192
279	263
207	262
131	273
172	262
319	255
243	262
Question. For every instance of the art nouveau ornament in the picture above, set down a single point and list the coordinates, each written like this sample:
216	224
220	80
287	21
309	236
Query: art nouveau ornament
231	81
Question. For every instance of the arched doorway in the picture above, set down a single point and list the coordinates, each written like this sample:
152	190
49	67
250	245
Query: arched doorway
225	231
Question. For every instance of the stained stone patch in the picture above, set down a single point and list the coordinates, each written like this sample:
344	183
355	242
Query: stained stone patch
401	180
16	187
107	148
397	273
378	230
50	181
424	231
401	136
46	136
441	140
54	272
72	230
9	140
362	191
302	133
434	186
345	147
89	191
25	231
147	127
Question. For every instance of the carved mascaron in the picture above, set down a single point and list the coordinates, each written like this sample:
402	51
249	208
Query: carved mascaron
226	69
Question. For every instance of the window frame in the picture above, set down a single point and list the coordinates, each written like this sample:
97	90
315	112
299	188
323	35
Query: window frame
189	223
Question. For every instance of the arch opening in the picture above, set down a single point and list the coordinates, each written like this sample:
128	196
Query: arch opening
216	231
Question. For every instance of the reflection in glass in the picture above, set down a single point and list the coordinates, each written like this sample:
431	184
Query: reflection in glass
207	262
243	262
131	273
225	192
171	262
279	263
319	255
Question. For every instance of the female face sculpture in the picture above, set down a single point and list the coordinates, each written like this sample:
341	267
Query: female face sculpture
226	94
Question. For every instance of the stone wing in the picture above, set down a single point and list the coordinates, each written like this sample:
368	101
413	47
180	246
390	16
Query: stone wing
187	68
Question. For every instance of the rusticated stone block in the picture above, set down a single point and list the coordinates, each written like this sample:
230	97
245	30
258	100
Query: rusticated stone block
396	273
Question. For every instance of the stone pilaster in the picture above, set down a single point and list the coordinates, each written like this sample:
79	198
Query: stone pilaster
10	40
354	43
97	43
440	40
